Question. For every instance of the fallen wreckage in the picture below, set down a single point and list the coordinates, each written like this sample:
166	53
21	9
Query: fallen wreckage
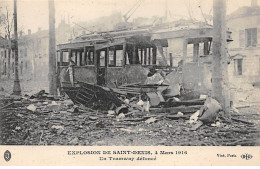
119	71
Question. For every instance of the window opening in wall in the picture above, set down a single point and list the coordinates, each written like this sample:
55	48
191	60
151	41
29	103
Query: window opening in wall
238	66
251	37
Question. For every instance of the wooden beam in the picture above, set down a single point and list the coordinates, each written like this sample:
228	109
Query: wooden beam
145	56
70	53
196	47
184	48
154	55
134	55
76	57
142	55
95	56
206	48
159	47
106	63
175	110
171	61
76	45
114	57
149	56
106	57
80	58
137	55
90	60
61	58
109	44
124	55
85	55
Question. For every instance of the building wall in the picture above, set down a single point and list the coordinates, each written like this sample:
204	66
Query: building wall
33	50
238	49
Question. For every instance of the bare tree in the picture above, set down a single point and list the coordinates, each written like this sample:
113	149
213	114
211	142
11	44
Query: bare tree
7	27
7	22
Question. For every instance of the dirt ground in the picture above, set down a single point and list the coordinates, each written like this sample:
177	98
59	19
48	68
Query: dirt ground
80	126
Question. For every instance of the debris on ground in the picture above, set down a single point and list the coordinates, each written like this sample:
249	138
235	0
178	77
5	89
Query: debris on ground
150	120
31	107
209	112
132	114
194	117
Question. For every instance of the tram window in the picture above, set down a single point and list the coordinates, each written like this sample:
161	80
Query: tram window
119	58
65	56
90	61
111	59
102	58
73	57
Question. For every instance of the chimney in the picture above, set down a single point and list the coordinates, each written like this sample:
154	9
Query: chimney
29	32
254	3
39	29
21	33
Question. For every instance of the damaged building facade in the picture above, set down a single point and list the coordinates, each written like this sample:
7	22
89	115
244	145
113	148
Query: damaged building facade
244	51
33	55
4	45
186	48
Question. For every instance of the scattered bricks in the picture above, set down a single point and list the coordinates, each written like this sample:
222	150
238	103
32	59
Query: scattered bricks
151	120
32	108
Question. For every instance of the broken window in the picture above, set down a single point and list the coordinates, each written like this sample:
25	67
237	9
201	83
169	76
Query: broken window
65	57
115	58
90	58
102	58
119	58
73	57
111	58
251	37
238	63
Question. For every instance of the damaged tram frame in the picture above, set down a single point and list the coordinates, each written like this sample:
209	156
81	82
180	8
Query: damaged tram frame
115	58
109	59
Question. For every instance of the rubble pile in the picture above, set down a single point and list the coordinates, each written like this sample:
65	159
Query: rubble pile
42	119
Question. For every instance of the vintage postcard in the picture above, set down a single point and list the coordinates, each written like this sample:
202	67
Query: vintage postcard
129	82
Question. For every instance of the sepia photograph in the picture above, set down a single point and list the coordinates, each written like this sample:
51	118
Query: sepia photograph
129	73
